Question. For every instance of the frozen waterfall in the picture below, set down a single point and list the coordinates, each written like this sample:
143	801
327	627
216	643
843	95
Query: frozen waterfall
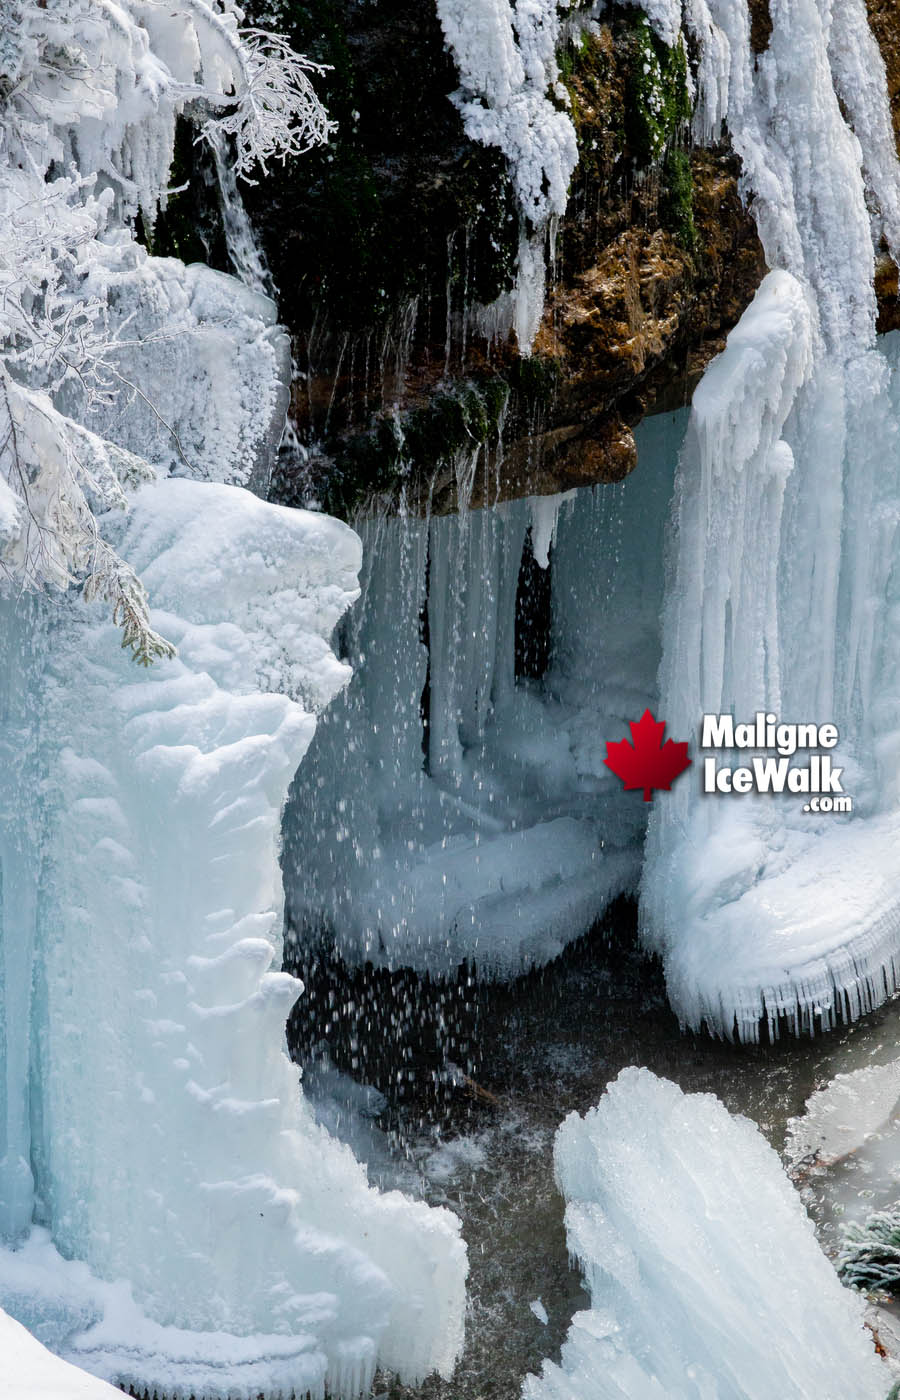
781	593
454	804
140	969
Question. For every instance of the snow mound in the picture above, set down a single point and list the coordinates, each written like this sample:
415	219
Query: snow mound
31	1372
701	1263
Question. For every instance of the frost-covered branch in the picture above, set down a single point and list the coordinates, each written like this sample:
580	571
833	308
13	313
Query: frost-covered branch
278	113
870	1253
56	478
90	91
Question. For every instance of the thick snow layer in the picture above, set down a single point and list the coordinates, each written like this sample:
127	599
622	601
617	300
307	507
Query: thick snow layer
705	1276
493	831
149	1117
31	1372
781	591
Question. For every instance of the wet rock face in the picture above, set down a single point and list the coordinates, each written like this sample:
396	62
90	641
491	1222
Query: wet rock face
384	246
885	23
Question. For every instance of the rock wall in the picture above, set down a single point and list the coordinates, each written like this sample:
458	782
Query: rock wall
387	248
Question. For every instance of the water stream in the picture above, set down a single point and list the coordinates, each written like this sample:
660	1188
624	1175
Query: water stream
548	1044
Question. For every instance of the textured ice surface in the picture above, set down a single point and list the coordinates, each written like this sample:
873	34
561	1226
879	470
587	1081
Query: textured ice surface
842	1150
204	368
705	1276
506	56
494	832
30	1372
782	588
145	1079
839	1118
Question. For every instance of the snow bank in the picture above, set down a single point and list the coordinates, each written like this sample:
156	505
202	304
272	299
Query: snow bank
449	809
30	1372
226	1243
701	1262
782	591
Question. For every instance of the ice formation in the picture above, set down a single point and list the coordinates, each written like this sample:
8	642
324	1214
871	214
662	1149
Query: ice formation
842	1152
781	591
506	56
510	96
701	1263
149	944
171	1214
839	1118
449	808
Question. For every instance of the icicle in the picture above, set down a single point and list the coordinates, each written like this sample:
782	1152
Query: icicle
544	520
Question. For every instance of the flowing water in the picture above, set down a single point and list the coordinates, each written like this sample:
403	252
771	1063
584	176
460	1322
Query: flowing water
547	1045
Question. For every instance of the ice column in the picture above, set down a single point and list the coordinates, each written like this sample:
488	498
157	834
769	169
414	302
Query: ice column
781	562
149	1089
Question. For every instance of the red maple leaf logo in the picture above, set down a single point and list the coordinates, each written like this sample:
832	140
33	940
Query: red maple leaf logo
648	763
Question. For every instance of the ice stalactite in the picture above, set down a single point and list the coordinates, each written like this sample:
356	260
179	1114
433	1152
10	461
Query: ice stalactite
453	807
510	96
781	570
705	1276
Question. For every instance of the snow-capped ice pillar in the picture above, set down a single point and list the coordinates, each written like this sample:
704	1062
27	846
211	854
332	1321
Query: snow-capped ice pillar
781	559
706	1279
148	1089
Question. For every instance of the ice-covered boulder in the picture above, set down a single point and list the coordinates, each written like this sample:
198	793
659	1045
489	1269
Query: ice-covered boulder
222	1242
706	1279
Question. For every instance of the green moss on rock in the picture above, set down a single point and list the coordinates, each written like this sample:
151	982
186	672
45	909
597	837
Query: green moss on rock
676	198
467	416
657	100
